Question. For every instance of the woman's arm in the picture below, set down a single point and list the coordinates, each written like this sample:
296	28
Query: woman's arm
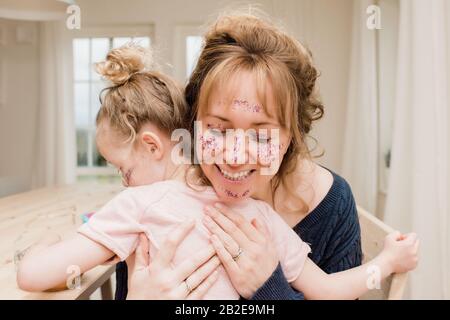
47	266
277	288
399	255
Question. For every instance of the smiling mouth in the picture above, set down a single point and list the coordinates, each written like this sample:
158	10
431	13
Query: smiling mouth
236	176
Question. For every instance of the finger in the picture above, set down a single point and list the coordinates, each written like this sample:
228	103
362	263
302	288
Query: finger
142	252
186	268
224	256
201	290
261	227
231	245
196	278
199	275
227	225
395	235
416	246
247	228
165	255
411	238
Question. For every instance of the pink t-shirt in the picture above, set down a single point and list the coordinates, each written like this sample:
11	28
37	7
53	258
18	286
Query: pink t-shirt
158	208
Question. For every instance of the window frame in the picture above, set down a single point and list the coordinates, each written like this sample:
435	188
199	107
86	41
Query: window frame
180	50
116	31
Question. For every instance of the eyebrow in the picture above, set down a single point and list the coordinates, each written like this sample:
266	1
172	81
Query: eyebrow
262	123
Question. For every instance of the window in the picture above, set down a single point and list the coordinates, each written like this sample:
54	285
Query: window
87	87
193	49
188	45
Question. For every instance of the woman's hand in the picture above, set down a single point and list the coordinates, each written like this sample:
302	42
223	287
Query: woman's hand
245	249
157	279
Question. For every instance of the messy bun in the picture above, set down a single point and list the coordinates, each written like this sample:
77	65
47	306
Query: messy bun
122	63
139	93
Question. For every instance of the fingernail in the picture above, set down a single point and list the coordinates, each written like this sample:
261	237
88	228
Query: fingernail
218	205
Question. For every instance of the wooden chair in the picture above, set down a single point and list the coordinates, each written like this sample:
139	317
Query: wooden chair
373	232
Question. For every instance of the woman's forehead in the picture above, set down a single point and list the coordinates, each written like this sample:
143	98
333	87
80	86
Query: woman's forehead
242	94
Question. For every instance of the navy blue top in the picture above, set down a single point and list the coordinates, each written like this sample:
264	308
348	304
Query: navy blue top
332	230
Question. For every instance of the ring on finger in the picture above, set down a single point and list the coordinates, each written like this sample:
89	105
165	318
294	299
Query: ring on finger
236	257
188	287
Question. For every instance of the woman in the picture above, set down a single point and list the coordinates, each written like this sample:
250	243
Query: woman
314	201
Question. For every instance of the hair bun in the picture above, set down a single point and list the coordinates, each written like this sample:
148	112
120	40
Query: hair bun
123	62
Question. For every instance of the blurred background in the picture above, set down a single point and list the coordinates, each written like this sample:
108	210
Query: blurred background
385	84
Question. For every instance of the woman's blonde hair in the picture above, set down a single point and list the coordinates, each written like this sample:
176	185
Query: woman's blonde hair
245	42
138	94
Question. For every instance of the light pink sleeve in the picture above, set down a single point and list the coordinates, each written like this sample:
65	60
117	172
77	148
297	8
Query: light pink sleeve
117	224
291	249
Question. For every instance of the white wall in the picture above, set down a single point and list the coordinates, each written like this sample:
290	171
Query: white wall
19	99
324	25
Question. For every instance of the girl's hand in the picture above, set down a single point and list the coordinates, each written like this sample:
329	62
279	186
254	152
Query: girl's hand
157	279
245	249
401	252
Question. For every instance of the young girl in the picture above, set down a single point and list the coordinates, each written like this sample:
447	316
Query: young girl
134	123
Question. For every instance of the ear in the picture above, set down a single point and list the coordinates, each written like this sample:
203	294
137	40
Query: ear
153	144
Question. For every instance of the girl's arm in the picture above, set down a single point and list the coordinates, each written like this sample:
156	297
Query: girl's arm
45	267
399	255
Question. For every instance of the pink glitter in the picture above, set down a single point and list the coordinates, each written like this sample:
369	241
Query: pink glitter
236	148
267	152
244	105
236	195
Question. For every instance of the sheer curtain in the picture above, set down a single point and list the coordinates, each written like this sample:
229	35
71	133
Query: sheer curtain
55	139
360	143
419	184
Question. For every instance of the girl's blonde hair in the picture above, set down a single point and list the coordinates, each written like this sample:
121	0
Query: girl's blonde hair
138	94
245	42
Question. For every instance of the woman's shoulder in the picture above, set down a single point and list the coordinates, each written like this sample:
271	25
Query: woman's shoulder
334	199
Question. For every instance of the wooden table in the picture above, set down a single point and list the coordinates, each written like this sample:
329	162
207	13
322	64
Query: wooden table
26	217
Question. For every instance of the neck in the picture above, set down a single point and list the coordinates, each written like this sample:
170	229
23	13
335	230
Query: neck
264	194
174	171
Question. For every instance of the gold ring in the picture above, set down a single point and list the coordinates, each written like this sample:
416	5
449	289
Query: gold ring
238	254
188	287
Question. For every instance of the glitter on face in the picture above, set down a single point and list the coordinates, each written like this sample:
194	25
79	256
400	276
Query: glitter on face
211	142
244	105
236	148
268	152
236	195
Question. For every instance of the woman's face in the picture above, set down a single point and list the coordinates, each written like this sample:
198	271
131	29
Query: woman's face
240	163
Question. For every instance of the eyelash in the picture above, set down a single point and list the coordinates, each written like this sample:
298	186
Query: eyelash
220	131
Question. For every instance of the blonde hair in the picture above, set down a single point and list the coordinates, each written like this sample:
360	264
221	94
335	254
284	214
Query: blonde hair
138	94
247	42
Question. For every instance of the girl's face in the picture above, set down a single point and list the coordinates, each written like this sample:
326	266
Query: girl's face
240	166
133	161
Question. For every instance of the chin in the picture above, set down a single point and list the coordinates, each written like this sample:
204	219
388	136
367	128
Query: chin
227	190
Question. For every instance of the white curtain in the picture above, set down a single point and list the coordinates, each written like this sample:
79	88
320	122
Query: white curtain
419	185
361	140
55	139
